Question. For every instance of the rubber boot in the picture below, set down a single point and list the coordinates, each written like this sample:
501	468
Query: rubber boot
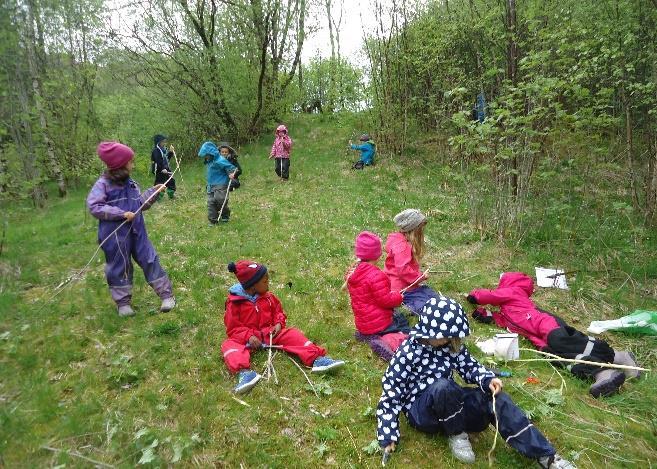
626	358
607	382
170	193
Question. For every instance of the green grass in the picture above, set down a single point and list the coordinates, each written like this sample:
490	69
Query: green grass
76	377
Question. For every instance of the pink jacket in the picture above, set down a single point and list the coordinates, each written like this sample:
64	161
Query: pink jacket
517	312
400	267
282	145
371	298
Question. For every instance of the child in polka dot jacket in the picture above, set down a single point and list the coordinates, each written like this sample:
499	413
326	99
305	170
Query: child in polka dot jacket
419	382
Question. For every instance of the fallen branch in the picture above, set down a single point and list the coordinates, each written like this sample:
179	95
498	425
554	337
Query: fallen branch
497	431
312	386
77	455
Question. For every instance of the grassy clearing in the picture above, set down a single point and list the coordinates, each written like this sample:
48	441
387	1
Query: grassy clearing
153	389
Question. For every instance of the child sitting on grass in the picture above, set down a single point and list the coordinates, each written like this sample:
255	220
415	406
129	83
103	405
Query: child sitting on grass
549	333
404	250
372	301
253	314
419	382
113	199
367	151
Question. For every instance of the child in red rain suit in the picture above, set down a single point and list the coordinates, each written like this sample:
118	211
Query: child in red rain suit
253	315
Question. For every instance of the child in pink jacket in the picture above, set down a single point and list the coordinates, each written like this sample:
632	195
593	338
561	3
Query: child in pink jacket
372	300
549	333
404	250
280	152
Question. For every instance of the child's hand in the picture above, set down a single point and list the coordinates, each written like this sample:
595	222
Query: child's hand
350	143
254	342
232	175
160	188
271	156
277	328
129	215
390	448
495	386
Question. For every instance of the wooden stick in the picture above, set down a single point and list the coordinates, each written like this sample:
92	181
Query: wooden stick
312	386
175	157
269	364
573	360
77	455
497	431
403	290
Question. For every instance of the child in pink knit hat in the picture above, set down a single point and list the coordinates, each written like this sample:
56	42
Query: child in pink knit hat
115	199
372	300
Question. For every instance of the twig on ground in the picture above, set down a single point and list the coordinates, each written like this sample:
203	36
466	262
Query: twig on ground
312	386
353	442
77	455
240	401
554	357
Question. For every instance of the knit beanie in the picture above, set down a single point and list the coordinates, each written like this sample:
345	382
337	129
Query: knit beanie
158	138
409	219
114	154
368	246
247	272
364	138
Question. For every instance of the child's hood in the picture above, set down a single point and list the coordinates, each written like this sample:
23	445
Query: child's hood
281	128
208	148
517	279
237	290
441	318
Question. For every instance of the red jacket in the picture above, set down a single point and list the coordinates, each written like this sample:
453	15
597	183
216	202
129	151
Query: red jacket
400	267
371	298
517	312
244	318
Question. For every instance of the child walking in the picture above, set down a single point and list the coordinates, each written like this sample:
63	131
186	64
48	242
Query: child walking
367	151
160	166
230	154
419	382
404	250
113	199
549	333
220	173
280	152
254	318
372	301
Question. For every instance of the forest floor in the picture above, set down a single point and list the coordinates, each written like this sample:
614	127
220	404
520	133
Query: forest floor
80	386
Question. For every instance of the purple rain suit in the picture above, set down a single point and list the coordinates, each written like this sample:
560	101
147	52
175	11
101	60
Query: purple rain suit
108	201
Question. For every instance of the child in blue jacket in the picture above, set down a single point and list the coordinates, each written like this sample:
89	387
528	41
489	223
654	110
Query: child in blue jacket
367	151
419	383
220	173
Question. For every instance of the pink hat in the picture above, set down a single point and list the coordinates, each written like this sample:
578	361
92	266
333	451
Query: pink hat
368	246
114	154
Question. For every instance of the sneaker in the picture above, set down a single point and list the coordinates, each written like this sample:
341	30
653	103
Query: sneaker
627	358
555	462
322	364
126	311
461	447
607	383
245	381
168	304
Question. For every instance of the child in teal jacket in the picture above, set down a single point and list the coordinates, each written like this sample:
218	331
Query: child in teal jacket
367	151
220	173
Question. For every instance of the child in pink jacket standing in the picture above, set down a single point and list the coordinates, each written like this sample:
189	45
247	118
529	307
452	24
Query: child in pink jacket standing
372	300
404	250
280	152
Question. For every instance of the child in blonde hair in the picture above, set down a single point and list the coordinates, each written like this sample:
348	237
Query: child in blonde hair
404	250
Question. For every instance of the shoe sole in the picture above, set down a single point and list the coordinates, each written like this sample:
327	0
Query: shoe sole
127	315
609	387
635	374
248	386
323	369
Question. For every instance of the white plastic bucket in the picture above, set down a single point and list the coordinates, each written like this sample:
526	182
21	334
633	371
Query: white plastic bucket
506	346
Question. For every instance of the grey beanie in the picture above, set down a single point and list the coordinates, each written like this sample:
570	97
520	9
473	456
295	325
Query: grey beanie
409	219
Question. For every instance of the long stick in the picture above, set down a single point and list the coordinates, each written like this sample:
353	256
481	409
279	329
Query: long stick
403	290
76	276
573	360
312	386
497	431
221	210
77	455
175	157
